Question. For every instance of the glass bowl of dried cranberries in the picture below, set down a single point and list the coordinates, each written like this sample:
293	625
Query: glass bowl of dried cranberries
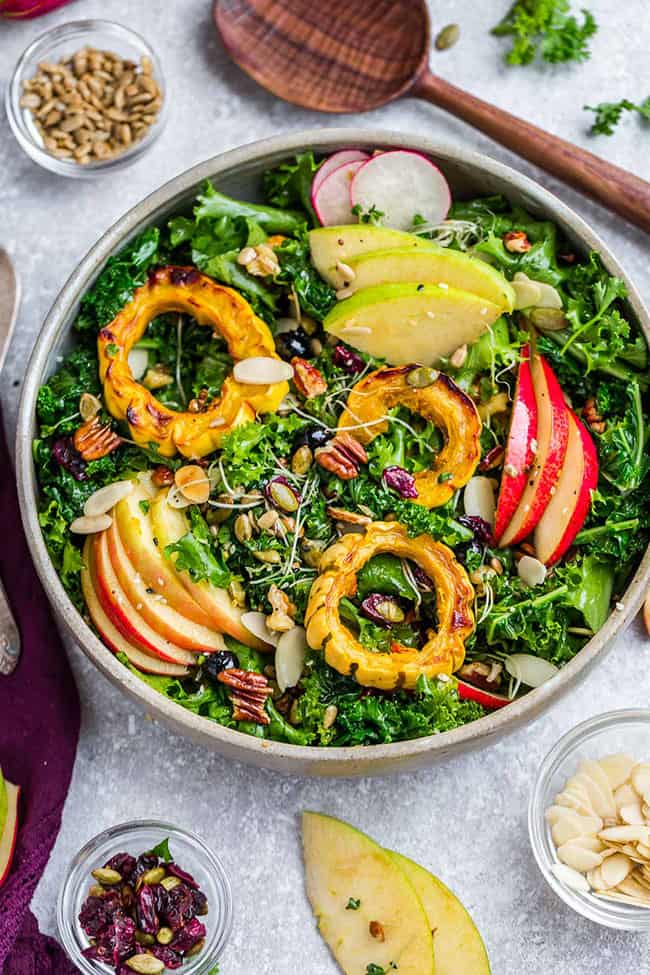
145	897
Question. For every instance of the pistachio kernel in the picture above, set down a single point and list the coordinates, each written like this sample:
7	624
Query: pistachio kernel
447	37
164	936
107	876
153	876
169	883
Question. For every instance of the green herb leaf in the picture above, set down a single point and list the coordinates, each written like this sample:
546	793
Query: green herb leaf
162	850
196	554
609	114
353	904
547	28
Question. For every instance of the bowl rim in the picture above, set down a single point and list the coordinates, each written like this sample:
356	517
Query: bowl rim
562	751
81	29
279	755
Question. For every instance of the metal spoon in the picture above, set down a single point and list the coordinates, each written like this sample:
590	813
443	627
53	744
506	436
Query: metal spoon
355	55
9	301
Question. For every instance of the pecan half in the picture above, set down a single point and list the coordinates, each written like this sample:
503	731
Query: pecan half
342	456
308	380
93	439
248	693
595	421
493	458
516	242
162	476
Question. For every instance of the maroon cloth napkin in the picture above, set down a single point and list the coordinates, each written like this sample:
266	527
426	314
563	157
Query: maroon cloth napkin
39	727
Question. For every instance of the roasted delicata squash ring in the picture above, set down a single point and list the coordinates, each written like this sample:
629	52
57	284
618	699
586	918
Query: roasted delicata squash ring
209	303
441	402
444	650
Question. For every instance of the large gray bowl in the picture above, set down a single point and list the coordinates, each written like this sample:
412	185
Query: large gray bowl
237	173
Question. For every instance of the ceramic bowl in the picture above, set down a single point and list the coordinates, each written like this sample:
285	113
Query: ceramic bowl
238	173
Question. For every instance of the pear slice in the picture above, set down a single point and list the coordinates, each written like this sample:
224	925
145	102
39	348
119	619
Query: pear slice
457	945
405	323
354	887
434	265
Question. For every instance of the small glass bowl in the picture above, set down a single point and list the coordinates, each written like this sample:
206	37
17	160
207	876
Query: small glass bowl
606	734
60	42
137	837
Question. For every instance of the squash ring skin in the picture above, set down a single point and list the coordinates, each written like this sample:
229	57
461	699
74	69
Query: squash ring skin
443	403
444	650
193	434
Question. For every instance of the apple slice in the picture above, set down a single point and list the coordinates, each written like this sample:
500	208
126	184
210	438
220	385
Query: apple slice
124	614
567	510
401	184
170	524
333	162
154	608
331	201
367	909
9	833
457	945
328	246
519	454
145	552
549	450
109	633
489	699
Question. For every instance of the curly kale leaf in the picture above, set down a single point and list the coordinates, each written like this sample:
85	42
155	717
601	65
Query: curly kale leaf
289	184
123	273
273	220
196	554
621	447
609	114
547	28
57	403
249	454
64	553
316	297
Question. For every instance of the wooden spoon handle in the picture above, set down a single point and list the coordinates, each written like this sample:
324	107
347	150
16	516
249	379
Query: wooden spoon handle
616	188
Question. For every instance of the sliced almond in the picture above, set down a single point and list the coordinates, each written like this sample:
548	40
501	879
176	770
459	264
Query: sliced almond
625	834
643	850
632	815
598	775
630	887
261	370
615	869
617	768
577	857
87	525
613	895
594	879
531	571
479	499
290	657
603	804
571	878
640	779
572	800
625	795
106	498
255	623
590	843
193	483
138	360
572	825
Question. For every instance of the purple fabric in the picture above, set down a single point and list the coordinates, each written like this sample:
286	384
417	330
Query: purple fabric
39	727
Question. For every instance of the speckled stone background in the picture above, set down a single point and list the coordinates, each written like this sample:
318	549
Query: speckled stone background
466	820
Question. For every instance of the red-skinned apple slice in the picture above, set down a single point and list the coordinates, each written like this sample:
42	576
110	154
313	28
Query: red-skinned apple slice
159	614
10	831
569	506
109	632
549	451
519	454
145	554
488	699
125	616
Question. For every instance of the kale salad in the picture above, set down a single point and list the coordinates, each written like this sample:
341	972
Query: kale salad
345	467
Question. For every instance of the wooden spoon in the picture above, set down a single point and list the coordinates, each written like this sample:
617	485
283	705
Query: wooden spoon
355	55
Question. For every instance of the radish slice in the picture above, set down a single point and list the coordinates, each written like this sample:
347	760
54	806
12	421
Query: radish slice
401	184
331	200
333	162
530	670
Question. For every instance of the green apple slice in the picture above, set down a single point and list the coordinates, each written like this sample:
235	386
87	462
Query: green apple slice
435	265
351	882
330	245
457	945
411	322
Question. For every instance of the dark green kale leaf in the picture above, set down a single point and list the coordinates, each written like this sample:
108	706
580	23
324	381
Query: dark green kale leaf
57	403
621	447
609	114
123	273
289	184
316	296
249	454
196	554
211	205
547	28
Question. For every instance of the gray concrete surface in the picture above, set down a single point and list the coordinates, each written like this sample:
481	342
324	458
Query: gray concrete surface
465	820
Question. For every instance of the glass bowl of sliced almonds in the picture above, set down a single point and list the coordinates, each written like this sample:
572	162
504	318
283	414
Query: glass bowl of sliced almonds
589	819
87	97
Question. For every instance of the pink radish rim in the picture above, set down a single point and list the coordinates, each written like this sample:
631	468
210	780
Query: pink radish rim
409	152
322	173
349	165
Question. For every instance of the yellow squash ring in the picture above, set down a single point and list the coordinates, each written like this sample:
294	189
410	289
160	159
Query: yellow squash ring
444	650
443	403
186	290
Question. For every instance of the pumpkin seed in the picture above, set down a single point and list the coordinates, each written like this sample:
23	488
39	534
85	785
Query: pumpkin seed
107	876
330	716
243	528
302	460
447	37
270	556
422	376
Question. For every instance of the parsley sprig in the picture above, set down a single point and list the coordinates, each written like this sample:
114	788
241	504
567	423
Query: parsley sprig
548	29
609	114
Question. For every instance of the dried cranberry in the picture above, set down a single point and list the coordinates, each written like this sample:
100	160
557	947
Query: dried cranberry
186	938
216	662
347	360
422	579
124	863
401	481
146	861
479	527
117	940
165	954
97	912
295	342
199	902
146	910
65	454
179	906
183	875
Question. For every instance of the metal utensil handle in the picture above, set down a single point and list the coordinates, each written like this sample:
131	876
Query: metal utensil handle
9	636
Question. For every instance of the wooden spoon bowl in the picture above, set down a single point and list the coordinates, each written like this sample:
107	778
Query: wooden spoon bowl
356	55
